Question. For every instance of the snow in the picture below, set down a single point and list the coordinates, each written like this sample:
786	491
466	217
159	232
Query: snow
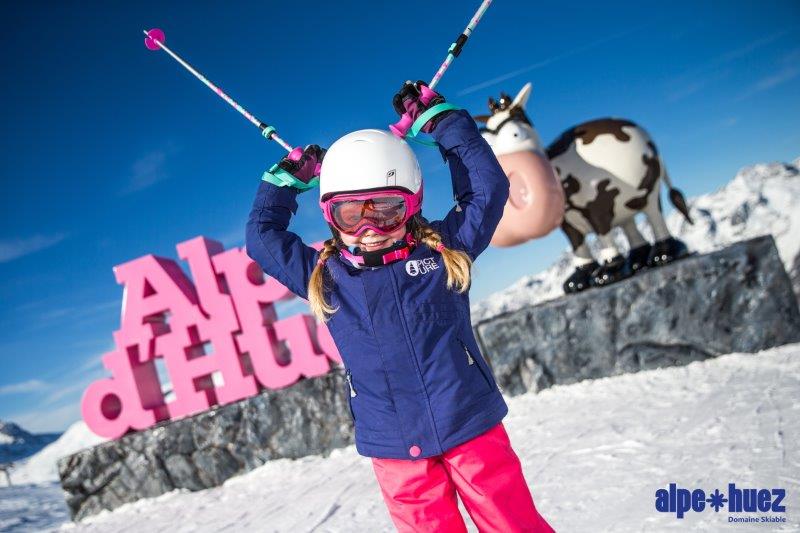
6	439
32	507
594	453
761	199
42	467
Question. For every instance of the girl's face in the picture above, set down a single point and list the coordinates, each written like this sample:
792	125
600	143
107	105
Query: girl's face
370	240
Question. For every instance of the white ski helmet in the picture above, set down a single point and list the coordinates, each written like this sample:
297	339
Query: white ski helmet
366	160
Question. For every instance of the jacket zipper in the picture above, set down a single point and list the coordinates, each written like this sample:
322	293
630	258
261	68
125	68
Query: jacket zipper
414	357
471	361
349	379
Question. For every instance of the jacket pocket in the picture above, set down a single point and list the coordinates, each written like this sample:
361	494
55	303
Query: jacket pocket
351	393
476	366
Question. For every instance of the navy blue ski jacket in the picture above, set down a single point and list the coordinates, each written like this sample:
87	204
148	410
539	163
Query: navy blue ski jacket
420	385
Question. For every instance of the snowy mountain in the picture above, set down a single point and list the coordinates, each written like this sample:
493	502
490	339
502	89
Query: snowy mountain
760	199
17	444
41	468
593	453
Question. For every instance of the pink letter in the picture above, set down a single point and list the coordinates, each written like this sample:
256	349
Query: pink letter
131	399
253	296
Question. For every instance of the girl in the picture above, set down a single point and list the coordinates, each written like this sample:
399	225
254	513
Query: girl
392	287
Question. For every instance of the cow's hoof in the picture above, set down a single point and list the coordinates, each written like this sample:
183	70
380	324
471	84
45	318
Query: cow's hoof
579	280
610	272
638	257
666	251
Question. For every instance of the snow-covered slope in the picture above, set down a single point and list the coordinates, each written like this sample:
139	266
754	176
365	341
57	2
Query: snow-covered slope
32	508
761	199
41	468
16	443
594	453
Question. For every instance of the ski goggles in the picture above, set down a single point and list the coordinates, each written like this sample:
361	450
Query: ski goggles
381	211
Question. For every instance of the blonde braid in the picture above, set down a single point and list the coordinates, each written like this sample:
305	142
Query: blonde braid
316	286
457	263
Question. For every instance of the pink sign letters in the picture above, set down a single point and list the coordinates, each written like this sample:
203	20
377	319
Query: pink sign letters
219	338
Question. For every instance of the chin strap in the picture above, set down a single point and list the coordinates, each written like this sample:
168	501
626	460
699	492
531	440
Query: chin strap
396	252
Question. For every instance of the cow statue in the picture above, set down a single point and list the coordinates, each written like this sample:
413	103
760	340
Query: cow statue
609	170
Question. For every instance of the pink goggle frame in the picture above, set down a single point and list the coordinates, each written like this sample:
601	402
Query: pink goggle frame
413	204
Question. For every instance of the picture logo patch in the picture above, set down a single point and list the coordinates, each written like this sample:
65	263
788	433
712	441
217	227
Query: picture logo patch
415	267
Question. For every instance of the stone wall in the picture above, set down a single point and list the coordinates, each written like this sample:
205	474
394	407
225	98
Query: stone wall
739	299
202	451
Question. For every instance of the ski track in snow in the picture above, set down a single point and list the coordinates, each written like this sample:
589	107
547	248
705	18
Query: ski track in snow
594	453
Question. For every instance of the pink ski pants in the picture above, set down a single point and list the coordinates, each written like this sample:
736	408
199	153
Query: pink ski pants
485	472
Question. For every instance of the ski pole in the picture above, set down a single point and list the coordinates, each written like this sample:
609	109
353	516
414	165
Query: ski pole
155	40
401	127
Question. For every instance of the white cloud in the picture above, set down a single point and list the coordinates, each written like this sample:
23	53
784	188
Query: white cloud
11	249
76	381
753	46
48	420
74	390
149	169
232	237
770	81
544	62
80	314
24	387
699	78
687	85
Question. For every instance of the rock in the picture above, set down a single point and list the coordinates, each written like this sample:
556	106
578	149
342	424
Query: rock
183	471
203	451
794	275
214	465
738	299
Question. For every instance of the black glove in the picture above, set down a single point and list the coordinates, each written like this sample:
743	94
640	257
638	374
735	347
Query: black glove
303	165
416	98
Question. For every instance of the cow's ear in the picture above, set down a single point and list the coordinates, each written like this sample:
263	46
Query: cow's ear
482	118
521	99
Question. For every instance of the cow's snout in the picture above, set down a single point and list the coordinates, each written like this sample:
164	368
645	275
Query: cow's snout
535	204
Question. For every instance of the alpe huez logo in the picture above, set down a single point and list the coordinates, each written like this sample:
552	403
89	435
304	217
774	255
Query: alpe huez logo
415	267
680	501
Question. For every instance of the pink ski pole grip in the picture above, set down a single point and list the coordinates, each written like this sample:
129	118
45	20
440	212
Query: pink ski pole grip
426	94
295	154
401	127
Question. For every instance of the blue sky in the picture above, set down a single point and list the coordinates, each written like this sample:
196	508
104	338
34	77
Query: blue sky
111	151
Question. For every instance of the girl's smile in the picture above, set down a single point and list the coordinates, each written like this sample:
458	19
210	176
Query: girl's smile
370	240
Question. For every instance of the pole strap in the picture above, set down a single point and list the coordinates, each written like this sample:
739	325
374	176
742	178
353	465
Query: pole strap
281	178
423	119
